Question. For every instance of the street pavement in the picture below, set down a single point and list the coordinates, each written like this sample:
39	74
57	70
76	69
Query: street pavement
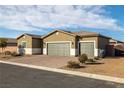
12	76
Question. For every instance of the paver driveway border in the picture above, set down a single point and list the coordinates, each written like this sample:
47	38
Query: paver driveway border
88	75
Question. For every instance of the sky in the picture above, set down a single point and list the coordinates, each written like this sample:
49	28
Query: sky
19	19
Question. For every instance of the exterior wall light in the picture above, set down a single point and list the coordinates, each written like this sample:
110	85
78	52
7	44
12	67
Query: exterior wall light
72	41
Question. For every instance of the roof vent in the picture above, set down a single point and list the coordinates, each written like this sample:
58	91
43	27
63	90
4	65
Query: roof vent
57	33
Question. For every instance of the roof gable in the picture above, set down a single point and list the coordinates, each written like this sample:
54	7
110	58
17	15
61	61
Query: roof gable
31	35
62	31
20	36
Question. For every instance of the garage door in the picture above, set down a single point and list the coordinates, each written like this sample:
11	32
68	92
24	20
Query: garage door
58	49
87	48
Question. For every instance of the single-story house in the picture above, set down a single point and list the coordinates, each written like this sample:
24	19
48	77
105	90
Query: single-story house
64	43
11	45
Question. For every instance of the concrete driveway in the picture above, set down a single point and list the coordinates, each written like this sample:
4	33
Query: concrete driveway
44	60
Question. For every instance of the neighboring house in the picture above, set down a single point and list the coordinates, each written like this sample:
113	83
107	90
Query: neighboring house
119	49
29	44
11	45
65	43
113	41
115	48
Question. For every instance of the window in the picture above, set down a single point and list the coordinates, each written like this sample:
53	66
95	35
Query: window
24	44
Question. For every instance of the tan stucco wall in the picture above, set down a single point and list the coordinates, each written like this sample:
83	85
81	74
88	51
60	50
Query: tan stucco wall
103	42
100	41
26	38
36	43
90	39
60	37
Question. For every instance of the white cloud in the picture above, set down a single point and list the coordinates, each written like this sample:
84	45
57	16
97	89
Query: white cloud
35	18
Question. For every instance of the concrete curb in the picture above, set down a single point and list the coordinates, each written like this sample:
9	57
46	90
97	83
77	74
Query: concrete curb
88	75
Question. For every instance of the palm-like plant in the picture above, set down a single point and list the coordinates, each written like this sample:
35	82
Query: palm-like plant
3	43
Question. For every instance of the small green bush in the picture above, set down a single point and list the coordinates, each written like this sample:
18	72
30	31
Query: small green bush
7	53
83	58
73	64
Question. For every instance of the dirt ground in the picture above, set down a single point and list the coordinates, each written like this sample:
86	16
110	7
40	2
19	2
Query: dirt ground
109	66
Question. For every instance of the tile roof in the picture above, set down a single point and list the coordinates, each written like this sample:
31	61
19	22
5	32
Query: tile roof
114	40
85	33
119	47
81	33
33	35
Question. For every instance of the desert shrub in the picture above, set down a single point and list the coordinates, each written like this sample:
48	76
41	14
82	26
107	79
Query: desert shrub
83	58
7	53
15	54
73	64
96	58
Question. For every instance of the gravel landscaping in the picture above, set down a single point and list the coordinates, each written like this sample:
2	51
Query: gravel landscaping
109	66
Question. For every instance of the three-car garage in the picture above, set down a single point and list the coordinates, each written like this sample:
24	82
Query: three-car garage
63	49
